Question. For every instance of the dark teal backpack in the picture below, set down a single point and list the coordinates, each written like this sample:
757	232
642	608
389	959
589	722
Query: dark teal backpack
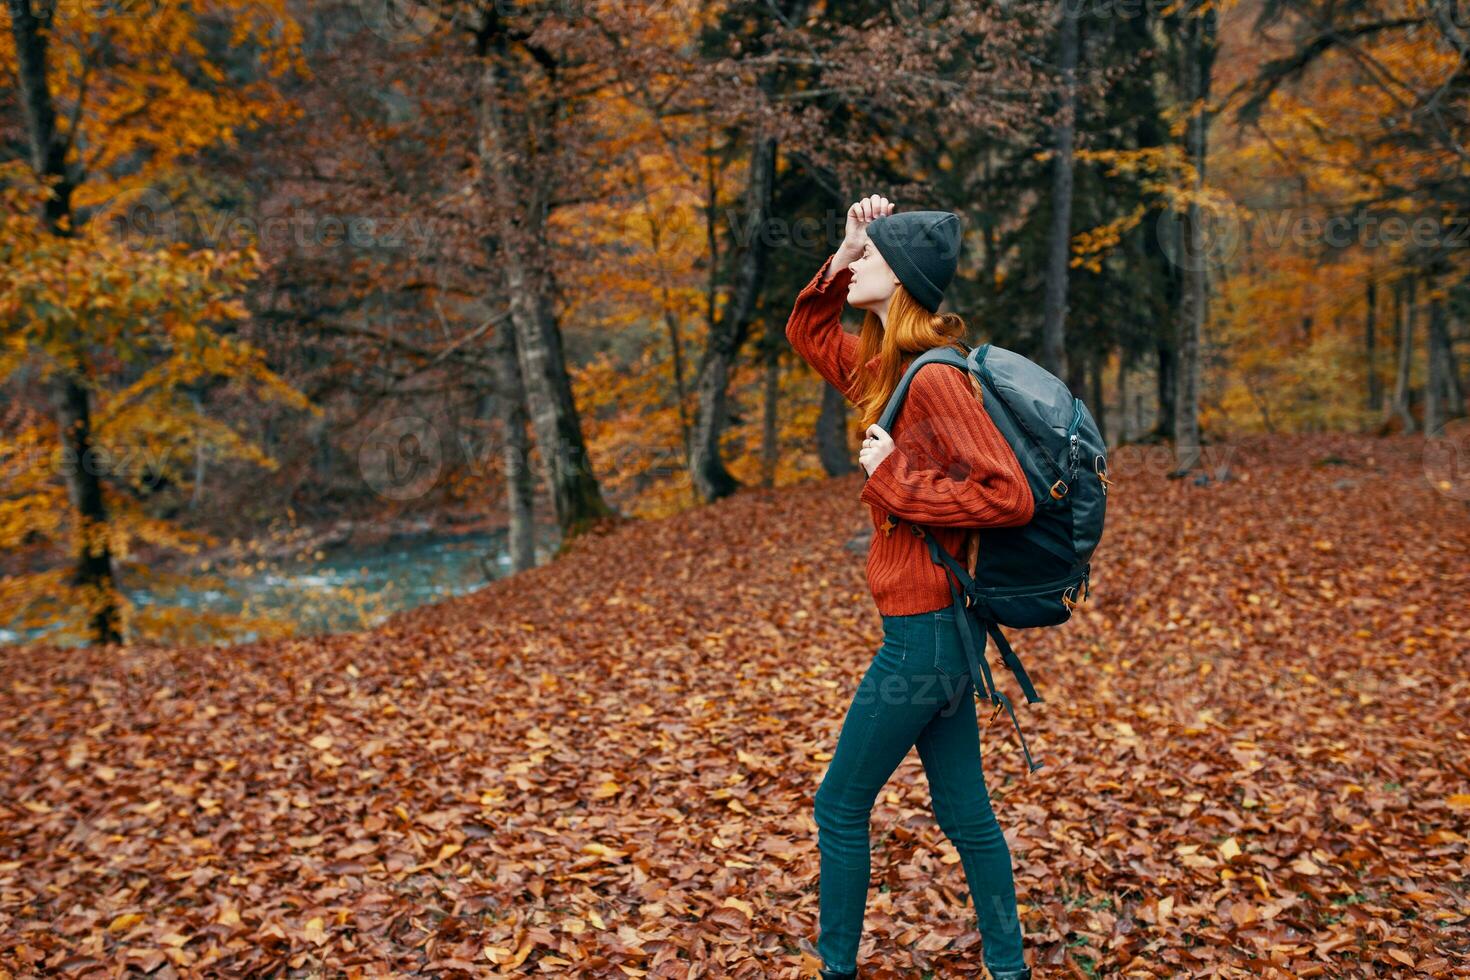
1033	575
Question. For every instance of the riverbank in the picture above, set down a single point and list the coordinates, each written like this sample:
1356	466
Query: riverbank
342	575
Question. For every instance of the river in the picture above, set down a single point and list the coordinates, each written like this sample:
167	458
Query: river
348	588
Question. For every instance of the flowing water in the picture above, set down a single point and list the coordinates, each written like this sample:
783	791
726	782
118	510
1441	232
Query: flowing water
349	588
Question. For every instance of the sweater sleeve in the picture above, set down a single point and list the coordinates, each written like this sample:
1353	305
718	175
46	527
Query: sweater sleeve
815	328
950	465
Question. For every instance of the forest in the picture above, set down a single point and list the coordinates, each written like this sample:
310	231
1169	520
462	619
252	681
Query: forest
278	280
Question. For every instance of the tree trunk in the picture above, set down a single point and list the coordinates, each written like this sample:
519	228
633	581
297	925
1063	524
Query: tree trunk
770	409
516	197
1054	322
990	234
1199	57
1167	369
671	320
1186	396
710	478
319	430
92	572
833	450
1075	374
1443	399
520	493
1149	133
1097	363
1375	387
1455	398
1434	385
1124	432
1404	297
196	493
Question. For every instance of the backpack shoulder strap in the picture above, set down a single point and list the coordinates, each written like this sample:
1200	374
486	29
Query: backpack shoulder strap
944	354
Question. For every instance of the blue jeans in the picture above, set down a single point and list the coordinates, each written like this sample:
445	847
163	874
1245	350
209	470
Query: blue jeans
916	691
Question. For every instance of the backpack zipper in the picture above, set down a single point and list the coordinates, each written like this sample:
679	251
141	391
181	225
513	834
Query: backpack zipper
1072	438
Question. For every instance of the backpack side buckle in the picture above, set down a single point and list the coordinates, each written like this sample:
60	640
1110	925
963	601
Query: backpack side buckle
1059	495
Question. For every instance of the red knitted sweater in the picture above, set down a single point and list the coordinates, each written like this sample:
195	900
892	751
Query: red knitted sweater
950	470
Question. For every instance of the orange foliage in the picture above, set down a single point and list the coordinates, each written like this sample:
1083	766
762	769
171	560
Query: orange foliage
137	315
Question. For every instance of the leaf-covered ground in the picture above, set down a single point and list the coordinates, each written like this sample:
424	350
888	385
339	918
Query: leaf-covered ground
1254	740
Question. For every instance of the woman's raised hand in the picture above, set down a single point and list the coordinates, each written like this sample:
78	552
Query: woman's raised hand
863	211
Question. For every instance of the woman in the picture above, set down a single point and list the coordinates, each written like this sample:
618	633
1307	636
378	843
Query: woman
952	472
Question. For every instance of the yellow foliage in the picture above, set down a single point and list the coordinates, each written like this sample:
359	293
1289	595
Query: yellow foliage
1288	311
131	314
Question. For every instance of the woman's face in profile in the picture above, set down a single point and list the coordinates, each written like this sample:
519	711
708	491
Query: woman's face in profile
872	281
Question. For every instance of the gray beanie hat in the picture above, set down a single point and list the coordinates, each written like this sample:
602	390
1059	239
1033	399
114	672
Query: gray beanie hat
922	248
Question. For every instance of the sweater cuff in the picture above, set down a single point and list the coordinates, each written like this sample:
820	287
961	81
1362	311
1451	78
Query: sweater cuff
837	281
884	486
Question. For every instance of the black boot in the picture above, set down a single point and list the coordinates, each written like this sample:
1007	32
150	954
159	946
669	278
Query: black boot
1022	974
834	975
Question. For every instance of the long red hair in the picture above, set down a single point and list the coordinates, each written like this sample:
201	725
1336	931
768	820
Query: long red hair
911	330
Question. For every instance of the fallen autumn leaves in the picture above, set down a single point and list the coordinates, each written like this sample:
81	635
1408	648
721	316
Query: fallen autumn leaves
604	766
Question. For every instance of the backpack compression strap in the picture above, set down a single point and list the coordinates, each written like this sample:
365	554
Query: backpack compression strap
975	651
